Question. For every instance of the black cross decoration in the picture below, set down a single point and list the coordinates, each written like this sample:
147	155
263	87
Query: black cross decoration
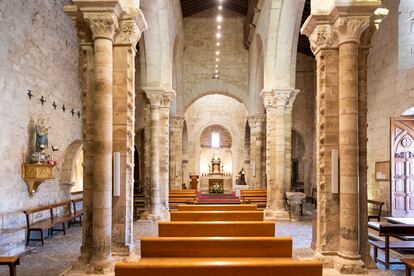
29	94
63	108
78	114
54	105
73	112
42	100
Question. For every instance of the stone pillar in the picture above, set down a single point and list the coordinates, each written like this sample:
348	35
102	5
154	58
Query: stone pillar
176	152
147	159
288	141
164	144
275	103
124	130
102	25
256	146
327	236
349	30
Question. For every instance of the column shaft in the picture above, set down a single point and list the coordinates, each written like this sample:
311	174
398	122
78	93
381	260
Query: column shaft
256	146
348	148
155	161
164	155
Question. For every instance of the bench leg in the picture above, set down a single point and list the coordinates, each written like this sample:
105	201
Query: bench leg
28	237
42	237
375	254
64	228
80	220
12	268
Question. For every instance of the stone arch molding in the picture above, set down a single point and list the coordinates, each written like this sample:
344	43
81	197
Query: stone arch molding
69	163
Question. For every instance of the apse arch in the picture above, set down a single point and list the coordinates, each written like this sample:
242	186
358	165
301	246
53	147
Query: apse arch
209	93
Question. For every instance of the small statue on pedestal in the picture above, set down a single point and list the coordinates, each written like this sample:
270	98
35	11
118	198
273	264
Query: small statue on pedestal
41	143
242	180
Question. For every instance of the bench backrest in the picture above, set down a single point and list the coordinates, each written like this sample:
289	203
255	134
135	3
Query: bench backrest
388	229
201	247
254	192
183	192
217	207
216	229
216	215
228	267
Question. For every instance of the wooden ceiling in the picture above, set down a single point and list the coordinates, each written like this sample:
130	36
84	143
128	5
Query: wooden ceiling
190	7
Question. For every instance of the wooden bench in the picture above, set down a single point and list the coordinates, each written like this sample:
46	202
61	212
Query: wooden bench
218	207
49	222
409	265
392	230
216	215
216	229
201	247
12	262
219	266
254	196
77	213
377	208
177	197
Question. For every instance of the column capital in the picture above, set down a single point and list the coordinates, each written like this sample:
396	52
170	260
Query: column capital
159	97
102	24
322	37
256	121
279	97
176	123
131	27
350	28
167	99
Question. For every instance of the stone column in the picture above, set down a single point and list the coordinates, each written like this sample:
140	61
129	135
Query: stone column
275	103
288	141
147	159
102	25
164	144
256	146
323	46
176	152
349	30
124	129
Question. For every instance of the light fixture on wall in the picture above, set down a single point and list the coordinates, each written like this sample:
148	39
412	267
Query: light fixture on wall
379	15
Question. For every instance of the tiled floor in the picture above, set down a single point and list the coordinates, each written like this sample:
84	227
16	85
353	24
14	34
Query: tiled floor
61	251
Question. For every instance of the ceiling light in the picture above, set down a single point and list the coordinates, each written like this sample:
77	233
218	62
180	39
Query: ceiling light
216	65
219	27
219	18
217	59
217	53
220	7
218	35
218	43
216	71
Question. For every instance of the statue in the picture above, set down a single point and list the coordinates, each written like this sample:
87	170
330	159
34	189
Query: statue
41	142
242	180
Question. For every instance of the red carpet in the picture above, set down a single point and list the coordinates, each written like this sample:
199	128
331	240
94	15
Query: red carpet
217	198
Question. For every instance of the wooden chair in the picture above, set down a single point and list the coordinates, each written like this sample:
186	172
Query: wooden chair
217	207
377	209
217	229
12	262
203	247
216	215
219	266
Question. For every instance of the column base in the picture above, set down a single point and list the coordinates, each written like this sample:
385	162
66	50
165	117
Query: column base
349	266
327	258
101	265
280	214
159	215
122	250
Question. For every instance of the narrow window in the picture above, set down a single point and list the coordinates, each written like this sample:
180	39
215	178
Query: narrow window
215	139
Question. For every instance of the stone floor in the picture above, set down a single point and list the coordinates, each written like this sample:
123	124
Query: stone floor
59	252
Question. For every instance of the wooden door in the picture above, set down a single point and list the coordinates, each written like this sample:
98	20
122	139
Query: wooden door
402	168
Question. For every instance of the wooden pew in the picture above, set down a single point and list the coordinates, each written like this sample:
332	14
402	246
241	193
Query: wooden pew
254	196
10	261
409	265
375	213
201	247
216	229
219	266
77	212
177	197
218	207
216	215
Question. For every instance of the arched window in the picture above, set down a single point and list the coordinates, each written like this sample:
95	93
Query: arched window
215	139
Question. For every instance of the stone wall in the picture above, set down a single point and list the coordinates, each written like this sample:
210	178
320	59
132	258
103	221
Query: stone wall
390	87
39	52
199	56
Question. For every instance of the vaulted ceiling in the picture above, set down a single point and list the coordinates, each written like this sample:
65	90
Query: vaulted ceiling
190	7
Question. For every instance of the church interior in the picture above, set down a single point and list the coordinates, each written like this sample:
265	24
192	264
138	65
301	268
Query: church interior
191	137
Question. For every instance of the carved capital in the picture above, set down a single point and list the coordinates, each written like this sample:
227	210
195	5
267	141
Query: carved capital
102	24
176	123
154	99
322	38
256	122
279	98
350	28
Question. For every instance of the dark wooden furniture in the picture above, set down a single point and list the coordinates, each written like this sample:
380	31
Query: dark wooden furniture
219	266
377	209
49	222
216	215
77	212
392	230
12	262
409	265
222	247
216	229
177	197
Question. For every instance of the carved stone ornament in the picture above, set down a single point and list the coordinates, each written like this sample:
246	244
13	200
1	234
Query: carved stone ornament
321	37
128	32
350	29
102	25
256	122
166	100
278	98
176	123
154	99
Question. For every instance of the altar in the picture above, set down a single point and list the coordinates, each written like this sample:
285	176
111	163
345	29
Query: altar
215	181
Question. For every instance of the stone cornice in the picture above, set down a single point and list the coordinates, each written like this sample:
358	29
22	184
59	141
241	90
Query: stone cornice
102	24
